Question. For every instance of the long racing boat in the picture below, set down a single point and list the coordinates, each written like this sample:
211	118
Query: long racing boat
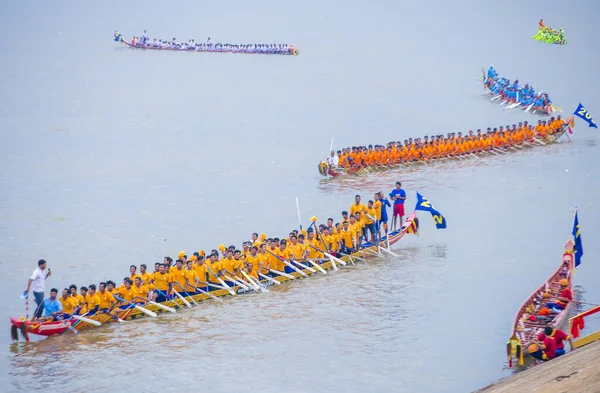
533	316
515	96
357	169
75	324
208	47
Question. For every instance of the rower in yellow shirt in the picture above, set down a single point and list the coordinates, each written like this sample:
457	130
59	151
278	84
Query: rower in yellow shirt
146	277
92	301
180	277
357	226
369	219
133	272
230	267
314	245
214	268
332	241
357	206
201	271
68	303
192	277
348	238
283	254
264	260
107	300
297	250
239	263
128	294
142	289
252	257
272	255
78	298
163	284
251	272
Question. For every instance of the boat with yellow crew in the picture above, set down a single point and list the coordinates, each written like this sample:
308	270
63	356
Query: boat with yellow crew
77	323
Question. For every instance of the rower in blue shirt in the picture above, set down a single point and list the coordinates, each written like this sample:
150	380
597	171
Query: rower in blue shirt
385	203
52	306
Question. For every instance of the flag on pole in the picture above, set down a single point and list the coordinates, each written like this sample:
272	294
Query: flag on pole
585	115
424	204
578	248
570	124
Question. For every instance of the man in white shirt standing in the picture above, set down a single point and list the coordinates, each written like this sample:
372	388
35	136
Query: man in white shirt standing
38	278
333	160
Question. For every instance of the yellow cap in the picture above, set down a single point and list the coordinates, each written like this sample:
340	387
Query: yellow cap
222	247
201	252
193	258
546	295
313	219
263	236
181	253
564	282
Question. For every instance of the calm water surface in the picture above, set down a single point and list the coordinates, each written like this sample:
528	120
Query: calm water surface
112	156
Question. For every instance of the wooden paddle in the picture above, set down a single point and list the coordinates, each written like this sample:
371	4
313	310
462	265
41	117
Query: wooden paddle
166	308
225	286
274	281
283	274
181	297
208	293
251	282
142	309
236	282
310	269
88	320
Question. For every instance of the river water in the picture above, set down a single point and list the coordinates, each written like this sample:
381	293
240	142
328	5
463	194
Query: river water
113	156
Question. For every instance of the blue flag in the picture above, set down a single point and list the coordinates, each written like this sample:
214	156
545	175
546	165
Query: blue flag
585	115
424	204
578	248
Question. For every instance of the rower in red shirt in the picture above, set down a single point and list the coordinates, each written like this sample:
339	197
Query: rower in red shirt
565	297
559	337
547	350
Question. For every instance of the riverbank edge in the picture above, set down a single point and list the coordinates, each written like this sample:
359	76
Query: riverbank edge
576	372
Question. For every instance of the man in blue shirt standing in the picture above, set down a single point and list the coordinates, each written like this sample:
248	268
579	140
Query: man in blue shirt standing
398	196
52	306
384	216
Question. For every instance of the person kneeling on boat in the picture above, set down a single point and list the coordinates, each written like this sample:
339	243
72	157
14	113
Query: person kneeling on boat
559	337
546	350
565	297
52	307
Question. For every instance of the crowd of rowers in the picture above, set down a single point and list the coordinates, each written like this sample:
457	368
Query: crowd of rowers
549	35
438	146
208	46
513	92
261	258
550	344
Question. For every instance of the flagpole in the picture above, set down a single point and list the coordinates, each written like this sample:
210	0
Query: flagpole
574	241
299	219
